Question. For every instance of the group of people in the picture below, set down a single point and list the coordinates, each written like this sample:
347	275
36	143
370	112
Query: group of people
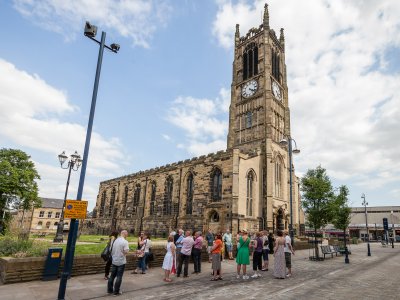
181	246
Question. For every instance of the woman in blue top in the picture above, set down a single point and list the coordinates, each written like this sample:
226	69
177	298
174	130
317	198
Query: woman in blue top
242	257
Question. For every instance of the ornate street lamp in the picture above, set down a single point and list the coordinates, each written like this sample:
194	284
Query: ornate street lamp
90	32
74	163
364	203
288	142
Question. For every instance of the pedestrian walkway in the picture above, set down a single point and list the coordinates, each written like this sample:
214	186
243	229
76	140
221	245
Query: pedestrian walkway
374	277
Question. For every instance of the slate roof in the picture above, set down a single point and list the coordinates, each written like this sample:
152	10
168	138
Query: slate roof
52	203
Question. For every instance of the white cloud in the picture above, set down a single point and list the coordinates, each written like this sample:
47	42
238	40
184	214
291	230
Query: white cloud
136	20
166	137
31	117
344	106
203	120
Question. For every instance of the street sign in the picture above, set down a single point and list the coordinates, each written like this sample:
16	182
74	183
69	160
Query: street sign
385	224
75	209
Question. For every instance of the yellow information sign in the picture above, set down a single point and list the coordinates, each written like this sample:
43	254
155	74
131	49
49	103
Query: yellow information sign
75	209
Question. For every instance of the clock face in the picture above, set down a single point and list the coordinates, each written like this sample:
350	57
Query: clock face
250	88
276	90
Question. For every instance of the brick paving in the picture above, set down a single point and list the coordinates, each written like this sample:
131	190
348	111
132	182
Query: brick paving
375	277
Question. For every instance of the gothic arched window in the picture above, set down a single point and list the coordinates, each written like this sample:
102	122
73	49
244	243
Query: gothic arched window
102	204
216	185
278	178
153	198
136	196
125	198
249	194
250	61
275	64
112	201
167	207
189	194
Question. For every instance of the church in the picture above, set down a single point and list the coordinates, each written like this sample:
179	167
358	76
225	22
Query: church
246	186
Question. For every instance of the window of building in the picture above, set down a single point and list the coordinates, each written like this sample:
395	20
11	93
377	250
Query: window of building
250	61
136	196
278	178
112	202
153	198
66	224
249	194
189	194
214	217
57	215
39	225
125	198
41	214
216	185
49	214
102	204
249	116
167	207
48	225
275	63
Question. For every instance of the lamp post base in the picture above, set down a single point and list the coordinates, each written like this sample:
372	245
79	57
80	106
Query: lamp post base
59	234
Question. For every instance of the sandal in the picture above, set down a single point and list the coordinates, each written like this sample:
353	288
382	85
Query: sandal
220	278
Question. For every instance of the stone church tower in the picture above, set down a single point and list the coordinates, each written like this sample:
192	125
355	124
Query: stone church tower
244	187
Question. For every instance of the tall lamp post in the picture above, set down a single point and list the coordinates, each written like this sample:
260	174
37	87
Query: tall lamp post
90	32
288	142
74	163
364	203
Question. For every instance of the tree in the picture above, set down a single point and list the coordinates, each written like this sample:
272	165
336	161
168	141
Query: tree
18	187
342	214
318	198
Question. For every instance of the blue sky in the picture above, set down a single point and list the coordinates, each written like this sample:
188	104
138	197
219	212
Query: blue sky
164	97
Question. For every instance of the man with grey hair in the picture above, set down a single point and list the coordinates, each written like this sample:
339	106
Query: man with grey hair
119	250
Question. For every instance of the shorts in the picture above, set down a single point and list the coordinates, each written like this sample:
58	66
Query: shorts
229	248
265	253
288	259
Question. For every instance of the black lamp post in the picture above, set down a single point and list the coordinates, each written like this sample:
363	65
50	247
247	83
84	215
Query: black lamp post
393	231
364	203
288	142
74	163
90	32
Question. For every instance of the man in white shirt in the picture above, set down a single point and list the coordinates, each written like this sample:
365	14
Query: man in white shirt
288	253
119	250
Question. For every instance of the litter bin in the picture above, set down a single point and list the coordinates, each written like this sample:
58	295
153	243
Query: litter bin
52	264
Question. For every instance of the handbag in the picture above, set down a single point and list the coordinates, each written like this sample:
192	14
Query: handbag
105	254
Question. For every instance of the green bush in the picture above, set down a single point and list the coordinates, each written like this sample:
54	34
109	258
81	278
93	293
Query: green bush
12	246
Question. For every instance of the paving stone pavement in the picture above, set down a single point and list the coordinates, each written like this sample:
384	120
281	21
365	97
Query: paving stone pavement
374	277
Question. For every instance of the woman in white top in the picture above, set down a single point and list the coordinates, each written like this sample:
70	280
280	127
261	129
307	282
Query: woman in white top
169	262
144	251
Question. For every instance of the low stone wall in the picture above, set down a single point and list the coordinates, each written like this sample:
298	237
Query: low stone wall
14	270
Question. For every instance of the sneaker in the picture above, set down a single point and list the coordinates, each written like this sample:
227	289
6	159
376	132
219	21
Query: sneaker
246	277
237	276
254	276
288	275
259	275
117	294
